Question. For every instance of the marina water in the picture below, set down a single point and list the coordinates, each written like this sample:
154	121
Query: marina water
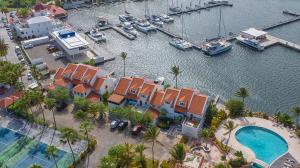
272	76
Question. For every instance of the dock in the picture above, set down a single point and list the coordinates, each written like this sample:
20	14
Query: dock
205	7
277	41
280	23
123	33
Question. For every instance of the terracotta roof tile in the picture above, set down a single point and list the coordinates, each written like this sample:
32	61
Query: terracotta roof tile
147	89
98	83
81	88
135	87
93	97
170	96
51	87
122	86
115	98
89	75
59	73
70	69
157	98
79	72
197	104
185	97
61	82
7	101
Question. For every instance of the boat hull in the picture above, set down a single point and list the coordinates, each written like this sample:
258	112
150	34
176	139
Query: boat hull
255	47
214	53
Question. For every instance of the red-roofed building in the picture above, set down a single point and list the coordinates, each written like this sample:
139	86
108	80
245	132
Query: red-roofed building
9	100
117	98
147	92
134	88
184	100
50	10
81	90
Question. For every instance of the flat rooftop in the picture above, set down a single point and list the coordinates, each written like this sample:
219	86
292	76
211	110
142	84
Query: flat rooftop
74	40
254	32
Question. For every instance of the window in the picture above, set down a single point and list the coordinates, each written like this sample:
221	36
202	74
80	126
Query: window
167	102
143	95
181	103
132	91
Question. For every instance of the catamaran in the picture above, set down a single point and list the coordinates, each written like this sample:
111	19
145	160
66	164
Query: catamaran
218	45
127	27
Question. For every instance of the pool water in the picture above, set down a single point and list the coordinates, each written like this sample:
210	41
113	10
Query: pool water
266	144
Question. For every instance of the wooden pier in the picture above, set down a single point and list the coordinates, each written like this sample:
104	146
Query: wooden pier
280	23
207	6
275	41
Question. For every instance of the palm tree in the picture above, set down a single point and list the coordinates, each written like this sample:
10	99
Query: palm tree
124	56
69	136
19	69
3	48
242	93
52	151
206	134
178	153
36	166
128	155
175	71
141	160
36	75
151	135
277	116
86	127
296	112
229	126
222	165
50	104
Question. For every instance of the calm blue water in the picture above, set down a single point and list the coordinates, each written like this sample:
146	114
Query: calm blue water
272	76
266	145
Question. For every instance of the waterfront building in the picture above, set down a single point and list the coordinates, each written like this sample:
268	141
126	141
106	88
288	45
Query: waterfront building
83	81
50	10
36	27
253	38
71	42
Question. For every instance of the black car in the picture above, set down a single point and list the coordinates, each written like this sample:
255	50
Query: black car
114	124
122	125
136	129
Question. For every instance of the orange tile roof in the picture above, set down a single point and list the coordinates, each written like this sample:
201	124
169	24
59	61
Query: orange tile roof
79	71
135	85
98	83
51	87
147	89
89	74
197	104
7	101
56	11
171	95
81	88
70	69
122	86
115	98
93	97
185	96
157	98
58	74
60	82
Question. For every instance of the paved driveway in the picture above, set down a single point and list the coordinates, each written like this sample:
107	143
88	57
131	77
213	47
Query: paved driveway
107	138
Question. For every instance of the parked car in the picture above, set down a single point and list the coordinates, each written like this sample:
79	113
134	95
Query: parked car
22	61
29	76
114	124
28	46
136	129
122	125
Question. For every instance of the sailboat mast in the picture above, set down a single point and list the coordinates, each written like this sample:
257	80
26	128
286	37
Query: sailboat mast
181	22
220	18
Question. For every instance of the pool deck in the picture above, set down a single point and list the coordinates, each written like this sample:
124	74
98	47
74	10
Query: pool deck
293	142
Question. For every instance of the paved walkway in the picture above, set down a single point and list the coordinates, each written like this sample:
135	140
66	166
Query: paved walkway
293	142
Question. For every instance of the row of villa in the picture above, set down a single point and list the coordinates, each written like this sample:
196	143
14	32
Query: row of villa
92	82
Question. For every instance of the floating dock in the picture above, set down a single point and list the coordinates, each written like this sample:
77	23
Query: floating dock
275	41
280	23
207	6
123	33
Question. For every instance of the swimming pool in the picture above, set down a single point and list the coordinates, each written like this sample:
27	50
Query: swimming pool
266	144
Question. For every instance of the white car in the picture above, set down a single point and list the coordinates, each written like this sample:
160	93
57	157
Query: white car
29	76
28	46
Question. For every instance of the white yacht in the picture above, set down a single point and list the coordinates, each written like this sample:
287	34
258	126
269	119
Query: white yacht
127	27
126	17
216	47
144	26
97	35
166	18
175	9
181	44
155	20
252	38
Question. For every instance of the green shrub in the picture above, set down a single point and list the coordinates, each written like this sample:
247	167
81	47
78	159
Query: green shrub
298	132
166	164
235	107
184	140
237	163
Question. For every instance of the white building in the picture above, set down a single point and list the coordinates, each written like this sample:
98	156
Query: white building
71	42
36	27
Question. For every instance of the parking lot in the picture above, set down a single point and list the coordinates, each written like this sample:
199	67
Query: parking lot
41	51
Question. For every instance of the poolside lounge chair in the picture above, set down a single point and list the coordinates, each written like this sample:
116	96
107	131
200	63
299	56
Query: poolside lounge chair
290	160
288	164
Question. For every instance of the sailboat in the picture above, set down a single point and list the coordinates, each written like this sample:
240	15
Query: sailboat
144	25
179	42
218	45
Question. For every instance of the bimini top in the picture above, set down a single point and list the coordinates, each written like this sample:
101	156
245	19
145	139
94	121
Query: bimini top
254	32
